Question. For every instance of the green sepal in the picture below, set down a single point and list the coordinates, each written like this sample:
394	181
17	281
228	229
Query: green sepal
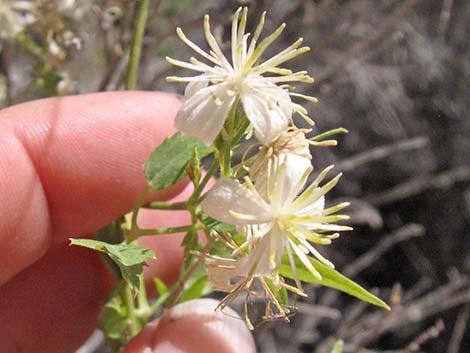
166	165
330	278
130	258
193	168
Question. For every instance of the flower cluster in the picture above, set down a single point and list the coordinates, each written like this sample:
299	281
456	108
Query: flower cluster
267	197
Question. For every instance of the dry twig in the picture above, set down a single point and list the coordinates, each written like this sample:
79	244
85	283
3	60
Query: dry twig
381	152
459	330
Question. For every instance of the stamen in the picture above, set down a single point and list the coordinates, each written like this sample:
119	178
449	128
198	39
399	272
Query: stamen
336	208
195	47
326	143
273	61
258	31
294	268
235	37
265	43
315	253
185	65
307	98
214	46
305	260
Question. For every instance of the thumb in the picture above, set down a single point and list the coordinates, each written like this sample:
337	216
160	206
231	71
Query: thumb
194	327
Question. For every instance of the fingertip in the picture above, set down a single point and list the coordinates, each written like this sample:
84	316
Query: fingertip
78	163
194	327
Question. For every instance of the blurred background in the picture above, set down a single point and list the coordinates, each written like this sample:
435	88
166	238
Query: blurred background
395	73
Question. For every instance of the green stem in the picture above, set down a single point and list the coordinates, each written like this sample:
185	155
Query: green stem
135	213
226	167
156	304
134	326
241	131
162	205
136	45
142	299
170	230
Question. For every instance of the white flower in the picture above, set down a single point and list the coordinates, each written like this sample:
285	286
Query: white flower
209	96
284	222
224	276
291	148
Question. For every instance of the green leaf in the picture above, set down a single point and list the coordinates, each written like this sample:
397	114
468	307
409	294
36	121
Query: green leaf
195	290
338	348
166	165
113	320
196	286
160	286
280	292
112	234
330	278
130	258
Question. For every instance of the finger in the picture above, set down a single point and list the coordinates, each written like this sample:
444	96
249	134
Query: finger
167	247
72	165
194	327
52	306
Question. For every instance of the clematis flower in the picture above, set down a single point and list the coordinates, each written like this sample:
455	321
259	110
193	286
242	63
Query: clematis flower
209	96
291	148
223	276
285	221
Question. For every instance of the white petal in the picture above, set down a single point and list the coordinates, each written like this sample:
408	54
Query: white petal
278	242
302	257
228	198
195	86
256	263
269	109
314	208
204	111
297	169
219	272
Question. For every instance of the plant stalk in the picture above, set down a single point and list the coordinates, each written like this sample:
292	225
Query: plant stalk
136	45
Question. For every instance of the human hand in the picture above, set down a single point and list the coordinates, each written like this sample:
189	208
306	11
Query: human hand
69	166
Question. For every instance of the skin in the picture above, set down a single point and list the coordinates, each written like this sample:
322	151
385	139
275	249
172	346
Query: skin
71	165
